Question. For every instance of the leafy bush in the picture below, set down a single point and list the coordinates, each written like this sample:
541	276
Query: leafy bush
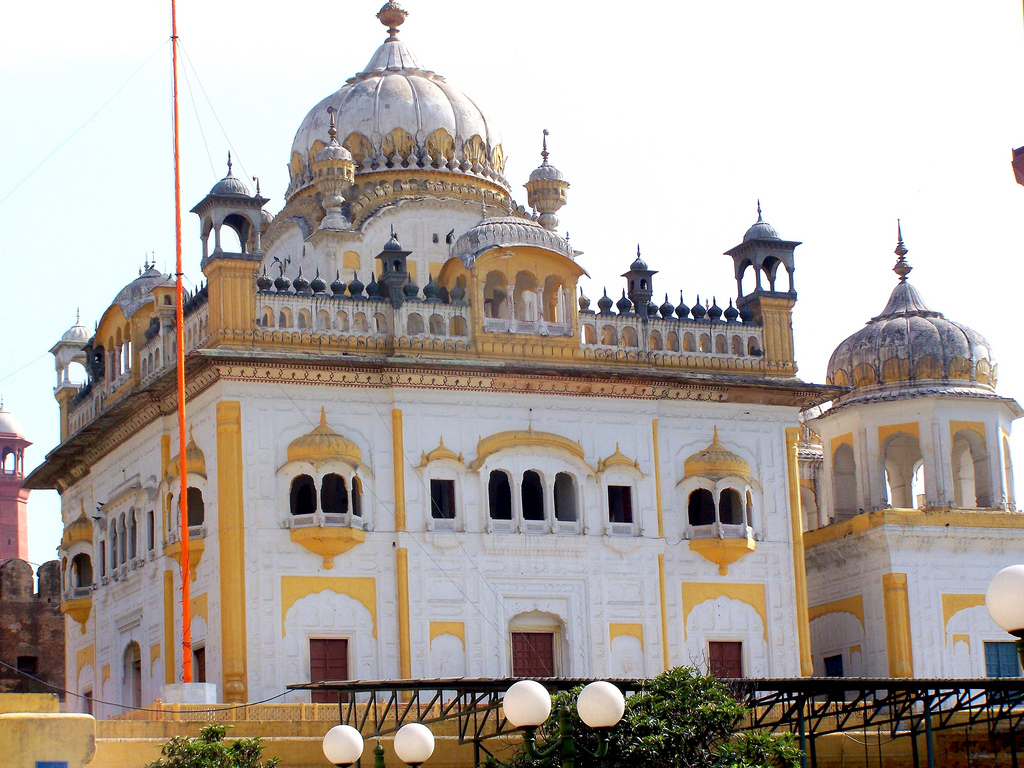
679	719
210	750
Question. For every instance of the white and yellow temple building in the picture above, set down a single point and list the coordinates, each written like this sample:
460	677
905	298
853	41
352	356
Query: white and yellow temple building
416	450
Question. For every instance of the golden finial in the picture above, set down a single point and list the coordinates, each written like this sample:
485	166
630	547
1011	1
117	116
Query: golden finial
715	437
392	15
323	416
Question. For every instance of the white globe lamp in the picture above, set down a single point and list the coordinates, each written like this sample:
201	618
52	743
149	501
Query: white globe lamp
414	743
343	745
527	704
601	704
1005	600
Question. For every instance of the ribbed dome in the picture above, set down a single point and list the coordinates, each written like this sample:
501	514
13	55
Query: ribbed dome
507	232
910	345
715	462
76	332
9	424
323	444
229	185
395	107
137	292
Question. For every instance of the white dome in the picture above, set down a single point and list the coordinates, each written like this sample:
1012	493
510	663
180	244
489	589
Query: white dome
9	424
395	92
76	333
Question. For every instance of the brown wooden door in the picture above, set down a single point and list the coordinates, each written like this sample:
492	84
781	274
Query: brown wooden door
328	660
726	659
533	654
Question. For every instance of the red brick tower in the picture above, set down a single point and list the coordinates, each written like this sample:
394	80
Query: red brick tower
13	498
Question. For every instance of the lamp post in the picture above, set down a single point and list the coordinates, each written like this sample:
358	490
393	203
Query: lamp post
343	745
527	705
1005	603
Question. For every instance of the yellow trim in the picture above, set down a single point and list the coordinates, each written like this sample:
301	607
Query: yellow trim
398	463
456	628
723	552
855	649
104	673
231	537
796	525
441	452
961	638
404	644
232	302
695	593
84	656
952	604
897	625
327	542
632	630
519	438
196	548
978	427
912	518
78	609
165	454
360	588
618	459
169	627
846	439
657	478
200	606
910	427
853	605
322	444
664	612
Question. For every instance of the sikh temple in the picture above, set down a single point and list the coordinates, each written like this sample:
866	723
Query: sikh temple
417	450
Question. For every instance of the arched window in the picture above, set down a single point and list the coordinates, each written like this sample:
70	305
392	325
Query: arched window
656	340
629	337
122	541
565	498
285	318
525	298
971	486
133	536
150	531
532	496
81	571
341	321
303	495
689	345
672	341
720	345
902	460
705	343
589	334
737	346
323	320
196	507
267	317
436	325
359	323
609	337
701	507
132	679
499	496
458	326
380	323
753	348
844	482
305	321
334	495
414	324
496	296
357	497
103	558
730	507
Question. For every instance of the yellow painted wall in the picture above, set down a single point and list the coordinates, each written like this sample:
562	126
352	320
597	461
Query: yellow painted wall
26	739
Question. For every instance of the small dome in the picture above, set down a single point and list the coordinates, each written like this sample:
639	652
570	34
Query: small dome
715	462
137	292
77	332
195	461
79	529
333	152
546	172
229	185
507	232
9	424
910	346
638	265
392	245
761	229
322	444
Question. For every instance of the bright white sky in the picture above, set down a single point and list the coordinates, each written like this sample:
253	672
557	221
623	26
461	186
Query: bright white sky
669	123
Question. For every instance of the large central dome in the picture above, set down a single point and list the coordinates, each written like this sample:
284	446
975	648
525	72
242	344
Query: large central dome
395	114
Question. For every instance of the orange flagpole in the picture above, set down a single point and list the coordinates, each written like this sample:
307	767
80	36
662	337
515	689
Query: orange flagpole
179	317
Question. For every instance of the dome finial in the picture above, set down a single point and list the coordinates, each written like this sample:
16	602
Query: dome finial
333	130
392	15
544	151
759	210
902	267
229	162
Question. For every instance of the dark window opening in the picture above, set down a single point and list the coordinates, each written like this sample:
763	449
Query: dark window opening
565	498
334	495
328	660
730	507
196	507
103	558
303	495
701	507
1001	660
442	499
725	660
357	497
834	666
533	654
199	664
533	496
620	504
150	530
499	496
81	570
87	698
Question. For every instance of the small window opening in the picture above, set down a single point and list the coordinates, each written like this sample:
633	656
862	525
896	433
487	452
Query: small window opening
499	496
701	507
533	496
303	495
442	499
620	504
565	498
334	495
730	507
196	507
